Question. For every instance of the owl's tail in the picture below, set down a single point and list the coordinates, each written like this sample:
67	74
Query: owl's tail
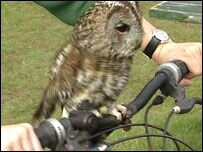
46	107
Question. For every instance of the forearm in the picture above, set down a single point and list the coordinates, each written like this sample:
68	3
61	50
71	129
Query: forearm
148	29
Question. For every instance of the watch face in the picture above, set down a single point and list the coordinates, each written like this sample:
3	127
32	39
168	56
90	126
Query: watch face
161	35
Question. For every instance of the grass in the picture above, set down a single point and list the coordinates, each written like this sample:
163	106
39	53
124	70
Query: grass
30	38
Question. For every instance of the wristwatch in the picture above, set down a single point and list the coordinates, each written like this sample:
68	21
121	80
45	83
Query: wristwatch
158	37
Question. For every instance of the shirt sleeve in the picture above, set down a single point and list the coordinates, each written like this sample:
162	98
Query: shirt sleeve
67	11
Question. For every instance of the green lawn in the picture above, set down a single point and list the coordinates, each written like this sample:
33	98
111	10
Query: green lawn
30	38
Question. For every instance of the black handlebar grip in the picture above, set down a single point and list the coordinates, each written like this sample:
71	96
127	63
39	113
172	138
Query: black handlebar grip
47	135
182	66
83	120
107	122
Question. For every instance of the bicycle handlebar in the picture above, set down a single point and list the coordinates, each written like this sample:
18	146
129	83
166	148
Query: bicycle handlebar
172	71
52	132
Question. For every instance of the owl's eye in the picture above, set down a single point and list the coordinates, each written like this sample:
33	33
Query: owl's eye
121	27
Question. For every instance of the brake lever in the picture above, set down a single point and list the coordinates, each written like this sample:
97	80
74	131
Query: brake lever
175	71
173	89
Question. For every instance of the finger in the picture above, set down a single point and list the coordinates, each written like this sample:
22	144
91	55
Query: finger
26	139
198	57
189	76
194	59
33	141
185	82
15	145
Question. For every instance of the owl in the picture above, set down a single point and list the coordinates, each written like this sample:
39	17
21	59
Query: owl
90	72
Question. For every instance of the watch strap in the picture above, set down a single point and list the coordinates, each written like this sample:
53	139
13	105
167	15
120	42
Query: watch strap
151	47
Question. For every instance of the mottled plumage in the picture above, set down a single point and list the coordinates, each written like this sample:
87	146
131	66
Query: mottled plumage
94	67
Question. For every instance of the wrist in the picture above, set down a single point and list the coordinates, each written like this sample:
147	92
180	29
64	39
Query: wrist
158	37
159	52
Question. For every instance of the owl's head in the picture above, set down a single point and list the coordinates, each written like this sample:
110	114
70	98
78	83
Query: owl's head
109	29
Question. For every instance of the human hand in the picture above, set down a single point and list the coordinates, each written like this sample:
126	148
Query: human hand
20	137
190	53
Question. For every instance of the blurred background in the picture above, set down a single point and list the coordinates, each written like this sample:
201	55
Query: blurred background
30	38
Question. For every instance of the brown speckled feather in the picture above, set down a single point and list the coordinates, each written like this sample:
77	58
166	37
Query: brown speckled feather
94	67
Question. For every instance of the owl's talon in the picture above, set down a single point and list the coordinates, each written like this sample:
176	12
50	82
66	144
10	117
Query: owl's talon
119	111
116	113
97	113
65	113
122	110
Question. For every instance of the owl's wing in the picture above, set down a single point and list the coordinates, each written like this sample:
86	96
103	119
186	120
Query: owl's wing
62	82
